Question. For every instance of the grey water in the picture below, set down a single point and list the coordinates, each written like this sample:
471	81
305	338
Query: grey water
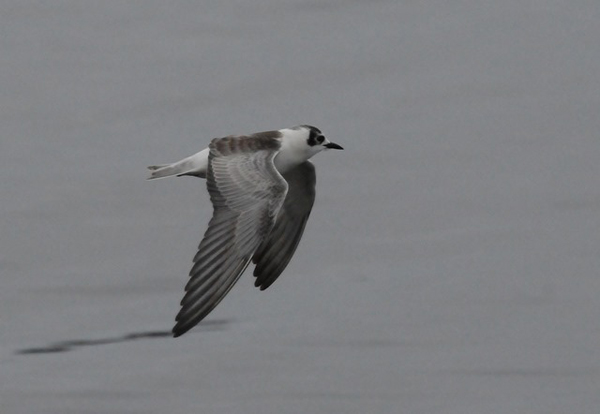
451	261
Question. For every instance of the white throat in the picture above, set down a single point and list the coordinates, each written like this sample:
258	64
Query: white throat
293	151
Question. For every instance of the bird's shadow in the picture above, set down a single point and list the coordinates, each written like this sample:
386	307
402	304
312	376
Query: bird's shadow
71	345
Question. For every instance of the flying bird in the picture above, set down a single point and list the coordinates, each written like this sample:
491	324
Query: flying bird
262	187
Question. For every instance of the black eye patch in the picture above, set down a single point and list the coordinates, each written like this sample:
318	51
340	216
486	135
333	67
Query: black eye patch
312	138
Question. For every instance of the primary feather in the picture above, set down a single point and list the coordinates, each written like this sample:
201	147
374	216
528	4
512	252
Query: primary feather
247	192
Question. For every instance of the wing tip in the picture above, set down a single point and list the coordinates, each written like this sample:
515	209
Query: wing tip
179	329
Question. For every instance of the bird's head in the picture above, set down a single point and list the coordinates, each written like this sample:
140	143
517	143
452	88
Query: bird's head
309	139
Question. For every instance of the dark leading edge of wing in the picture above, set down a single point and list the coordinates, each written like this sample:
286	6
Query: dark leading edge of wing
246	200
275	252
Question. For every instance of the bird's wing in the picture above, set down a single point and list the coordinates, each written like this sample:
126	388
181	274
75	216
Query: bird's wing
247	192
275	252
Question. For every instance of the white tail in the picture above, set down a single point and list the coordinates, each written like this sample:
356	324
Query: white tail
195	165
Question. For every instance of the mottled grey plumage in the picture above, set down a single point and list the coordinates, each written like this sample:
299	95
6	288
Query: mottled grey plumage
247	193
